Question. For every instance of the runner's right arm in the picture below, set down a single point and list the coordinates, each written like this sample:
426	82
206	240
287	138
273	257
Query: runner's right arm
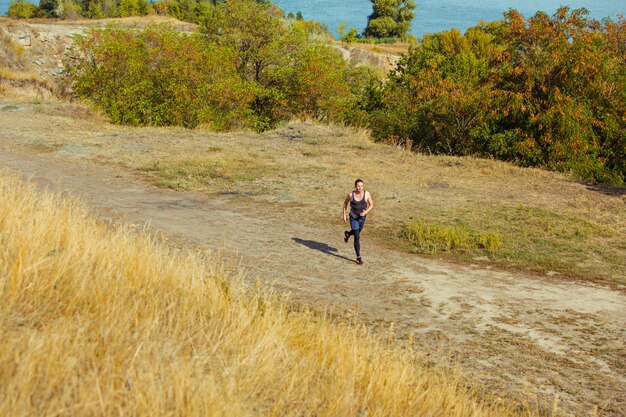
345	206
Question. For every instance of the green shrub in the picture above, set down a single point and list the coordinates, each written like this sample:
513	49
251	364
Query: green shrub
159	76
434	238
132	8
22	9
244	68
390	18
49	8
69	10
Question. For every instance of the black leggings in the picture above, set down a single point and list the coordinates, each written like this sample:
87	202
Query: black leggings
357	225
357	241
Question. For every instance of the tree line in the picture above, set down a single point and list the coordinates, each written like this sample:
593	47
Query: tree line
186	10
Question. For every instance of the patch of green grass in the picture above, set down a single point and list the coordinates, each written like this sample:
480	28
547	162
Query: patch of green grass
431	238
198	174
8	107
535	238
45	147
544	240
548	224
523	237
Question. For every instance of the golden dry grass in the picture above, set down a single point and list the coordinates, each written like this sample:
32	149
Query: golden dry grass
384	48
397	48
12	75
109	320
130	21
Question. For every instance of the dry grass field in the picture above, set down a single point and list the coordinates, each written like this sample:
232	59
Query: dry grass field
109	320
380	48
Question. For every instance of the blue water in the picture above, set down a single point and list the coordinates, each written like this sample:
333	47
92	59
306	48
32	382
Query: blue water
438	15
432	15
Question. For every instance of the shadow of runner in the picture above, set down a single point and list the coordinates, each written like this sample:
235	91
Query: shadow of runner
322	247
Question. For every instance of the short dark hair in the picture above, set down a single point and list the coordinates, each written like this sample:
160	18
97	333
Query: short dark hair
357	181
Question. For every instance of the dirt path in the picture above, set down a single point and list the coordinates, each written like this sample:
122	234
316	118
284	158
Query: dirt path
515	334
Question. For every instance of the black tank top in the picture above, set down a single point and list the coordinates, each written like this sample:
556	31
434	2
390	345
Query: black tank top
356	207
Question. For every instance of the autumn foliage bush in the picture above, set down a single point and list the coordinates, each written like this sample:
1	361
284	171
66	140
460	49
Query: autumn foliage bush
546	91
245	67
159	76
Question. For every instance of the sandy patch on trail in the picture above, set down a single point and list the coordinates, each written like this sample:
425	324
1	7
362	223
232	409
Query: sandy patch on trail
513	333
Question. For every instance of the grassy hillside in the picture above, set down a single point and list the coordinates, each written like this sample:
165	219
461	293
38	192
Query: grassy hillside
542	221
110	320
101	320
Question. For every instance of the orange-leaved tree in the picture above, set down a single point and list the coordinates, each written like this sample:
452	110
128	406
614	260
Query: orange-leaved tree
545	91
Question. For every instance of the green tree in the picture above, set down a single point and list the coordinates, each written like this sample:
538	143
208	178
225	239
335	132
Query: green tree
68	9
132	7
390	18
440	95
246	67
263	47
351	36
94	10
567	81
49	8
317	84
257	35
109	8
159	76
189	10
21	9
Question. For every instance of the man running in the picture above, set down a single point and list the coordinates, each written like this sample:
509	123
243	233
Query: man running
360	204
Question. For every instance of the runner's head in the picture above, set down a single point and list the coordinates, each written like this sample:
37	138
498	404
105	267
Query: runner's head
358	185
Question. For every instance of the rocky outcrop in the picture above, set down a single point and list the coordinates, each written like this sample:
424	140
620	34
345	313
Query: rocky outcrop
360	56
42	46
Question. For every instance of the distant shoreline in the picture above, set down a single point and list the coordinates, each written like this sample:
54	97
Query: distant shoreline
430	15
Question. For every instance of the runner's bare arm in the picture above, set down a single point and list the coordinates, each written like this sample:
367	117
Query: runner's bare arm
345	206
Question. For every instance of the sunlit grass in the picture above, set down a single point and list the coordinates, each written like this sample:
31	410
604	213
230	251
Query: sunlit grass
432	238
110	320
198	174
9	74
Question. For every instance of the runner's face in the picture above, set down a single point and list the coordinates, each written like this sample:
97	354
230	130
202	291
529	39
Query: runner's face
359	187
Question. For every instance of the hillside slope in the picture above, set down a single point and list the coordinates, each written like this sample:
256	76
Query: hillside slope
543	316
516	333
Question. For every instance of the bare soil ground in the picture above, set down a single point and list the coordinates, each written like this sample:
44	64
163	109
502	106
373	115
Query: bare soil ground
539	340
